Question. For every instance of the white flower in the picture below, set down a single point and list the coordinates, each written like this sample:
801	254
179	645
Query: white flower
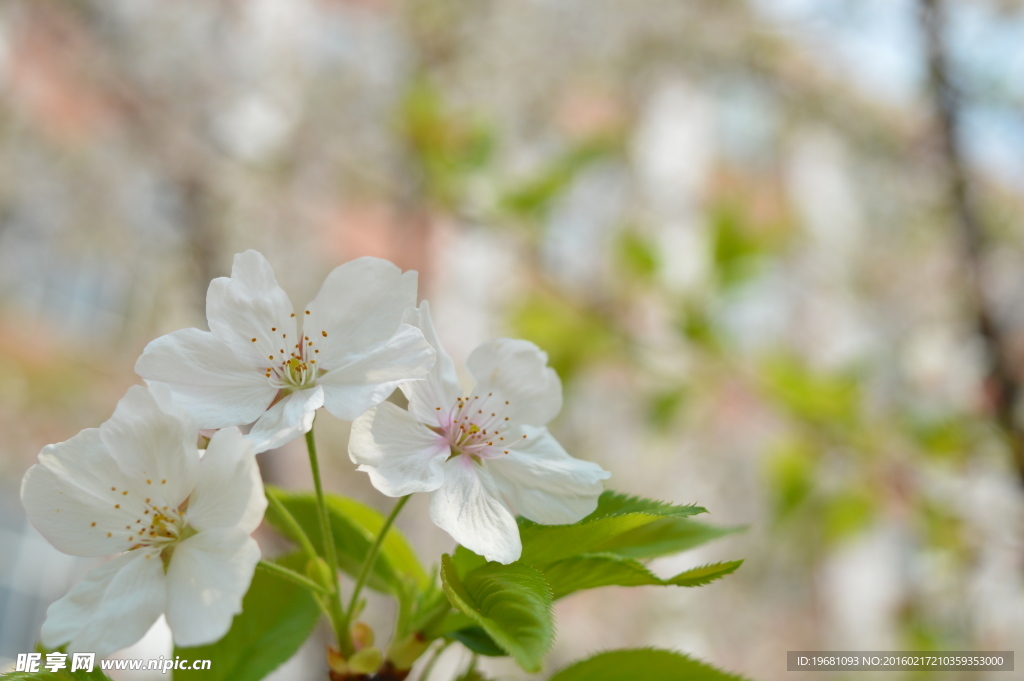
256	365
486	455
137	486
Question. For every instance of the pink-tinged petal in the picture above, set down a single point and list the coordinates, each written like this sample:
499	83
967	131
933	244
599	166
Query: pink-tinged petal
467	506
74	497
229	492
441	386
290	418
154	443
218	385
359	306
248	305
111	608
400	454
517	370
366	379
540	481
208	575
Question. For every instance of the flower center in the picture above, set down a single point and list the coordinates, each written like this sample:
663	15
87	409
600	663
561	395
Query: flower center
294	369
477	426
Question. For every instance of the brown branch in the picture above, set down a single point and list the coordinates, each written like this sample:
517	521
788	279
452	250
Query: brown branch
1002	383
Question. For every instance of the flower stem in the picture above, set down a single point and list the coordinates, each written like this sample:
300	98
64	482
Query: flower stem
337	615
429	667
371	555
291	575
293	525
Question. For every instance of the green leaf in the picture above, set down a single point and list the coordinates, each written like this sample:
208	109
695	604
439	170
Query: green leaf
592	571
616	503
512	603
663	537
616	515
477	640
705	574
648	664
277	617
354	526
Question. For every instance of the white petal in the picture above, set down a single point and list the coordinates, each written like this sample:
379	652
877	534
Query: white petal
206	580
219	386
290	418
229	492
517	370
359	306
154	444
71	497
540	481
400	454
111	608
467	506
368	378
250	305
441	387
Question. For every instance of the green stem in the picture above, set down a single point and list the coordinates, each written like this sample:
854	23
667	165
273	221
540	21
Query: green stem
337	615
291	575
294	528
429	667
371	555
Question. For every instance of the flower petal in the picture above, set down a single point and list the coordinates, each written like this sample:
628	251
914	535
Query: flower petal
154	443
286	420
69	500
540	481
249	304
441	386
208	575
111	608
229	492
359	306
219	386
400	454
368	378
517	370
467	506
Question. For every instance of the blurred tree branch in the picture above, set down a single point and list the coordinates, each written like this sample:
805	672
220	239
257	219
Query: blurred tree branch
1002	383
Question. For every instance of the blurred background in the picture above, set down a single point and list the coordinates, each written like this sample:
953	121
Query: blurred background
773	247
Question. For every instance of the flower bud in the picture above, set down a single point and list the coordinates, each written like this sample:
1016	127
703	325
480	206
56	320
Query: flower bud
319	572
336	662
366	661
362	635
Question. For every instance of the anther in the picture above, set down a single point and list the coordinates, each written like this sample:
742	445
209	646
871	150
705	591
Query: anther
324	334
273	328
253	340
